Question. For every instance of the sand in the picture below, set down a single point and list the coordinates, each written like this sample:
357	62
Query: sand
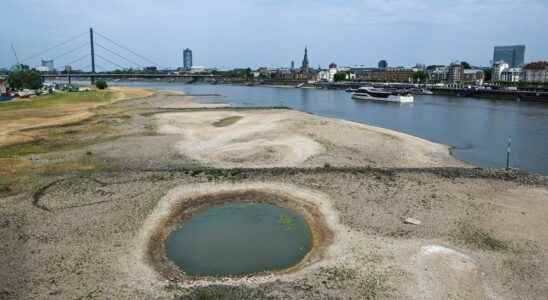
287	138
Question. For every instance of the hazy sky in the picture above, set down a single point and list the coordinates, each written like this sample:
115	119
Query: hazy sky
228	34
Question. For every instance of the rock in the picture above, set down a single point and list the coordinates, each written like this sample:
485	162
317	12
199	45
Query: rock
412	221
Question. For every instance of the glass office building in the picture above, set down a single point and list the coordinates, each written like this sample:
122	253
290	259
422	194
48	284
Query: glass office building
512	55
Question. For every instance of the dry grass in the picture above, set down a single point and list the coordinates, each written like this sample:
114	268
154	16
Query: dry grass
478	238
47	124
18	117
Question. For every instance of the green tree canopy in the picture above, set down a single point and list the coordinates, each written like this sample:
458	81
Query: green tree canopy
488	74
465	65
339	76
420	76
101	84
25	79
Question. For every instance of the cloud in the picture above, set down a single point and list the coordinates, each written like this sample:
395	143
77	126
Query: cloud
272	32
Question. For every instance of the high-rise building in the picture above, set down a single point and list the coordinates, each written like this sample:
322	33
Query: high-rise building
383	64
187	59
48	64
512	55
292	65
305	66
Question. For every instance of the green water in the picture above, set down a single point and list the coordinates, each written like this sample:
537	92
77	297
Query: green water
239	238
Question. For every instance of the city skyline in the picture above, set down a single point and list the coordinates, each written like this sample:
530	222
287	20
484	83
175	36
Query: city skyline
241	34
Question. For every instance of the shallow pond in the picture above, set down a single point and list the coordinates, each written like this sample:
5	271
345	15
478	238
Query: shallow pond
239	238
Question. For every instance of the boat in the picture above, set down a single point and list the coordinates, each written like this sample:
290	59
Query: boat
376	94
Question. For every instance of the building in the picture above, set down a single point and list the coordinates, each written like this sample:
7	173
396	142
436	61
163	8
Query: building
332	71
361	73
198	69
281	74
438	74
511	75
292	65
187	59
47	65
512	55
455	73
305	66
535	72
498	68
383	64
473	75
390	75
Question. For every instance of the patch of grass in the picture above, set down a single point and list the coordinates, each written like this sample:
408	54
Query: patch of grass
34	147
399	233
479	238
375	286
76	166
60	138
227	121
58	99
4	185
338	273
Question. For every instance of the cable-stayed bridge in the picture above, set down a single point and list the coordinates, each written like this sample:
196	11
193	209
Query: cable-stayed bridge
88	53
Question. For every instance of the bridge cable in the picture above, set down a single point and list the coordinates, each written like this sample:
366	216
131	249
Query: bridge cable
126	48
109	61
72	51
120	56
84	68
77	60
53	47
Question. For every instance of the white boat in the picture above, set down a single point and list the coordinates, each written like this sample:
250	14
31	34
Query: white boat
374	94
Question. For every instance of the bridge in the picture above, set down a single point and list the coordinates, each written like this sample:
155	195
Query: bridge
130	75
99	50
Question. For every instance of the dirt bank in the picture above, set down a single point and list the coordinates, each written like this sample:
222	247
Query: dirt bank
75	207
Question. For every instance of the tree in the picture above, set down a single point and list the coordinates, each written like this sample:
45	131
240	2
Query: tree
465	65
339	76
420	76
101	84
488	74
25	79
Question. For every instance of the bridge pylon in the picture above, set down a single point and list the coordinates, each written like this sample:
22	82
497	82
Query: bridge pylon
92	56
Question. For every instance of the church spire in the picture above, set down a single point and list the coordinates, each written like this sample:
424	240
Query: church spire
305	65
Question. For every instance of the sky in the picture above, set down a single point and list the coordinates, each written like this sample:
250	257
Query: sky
253	33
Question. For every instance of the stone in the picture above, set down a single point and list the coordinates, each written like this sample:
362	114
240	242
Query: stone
412	221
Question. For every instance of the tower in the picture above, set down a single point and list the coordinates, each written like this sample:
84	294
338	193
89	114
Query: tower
187	59
305	66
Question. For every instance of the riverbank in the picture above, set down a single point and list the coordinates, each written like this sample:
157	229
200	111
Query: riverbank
74	220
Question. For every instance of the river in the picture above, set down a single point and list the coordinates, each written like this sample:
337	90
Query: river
476	129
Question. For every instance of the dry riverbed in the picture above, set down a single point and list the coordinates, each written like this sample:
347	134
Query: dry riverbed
78	207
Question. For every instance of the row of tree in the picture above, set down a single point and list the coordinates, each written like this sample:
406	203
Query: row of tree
25	79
